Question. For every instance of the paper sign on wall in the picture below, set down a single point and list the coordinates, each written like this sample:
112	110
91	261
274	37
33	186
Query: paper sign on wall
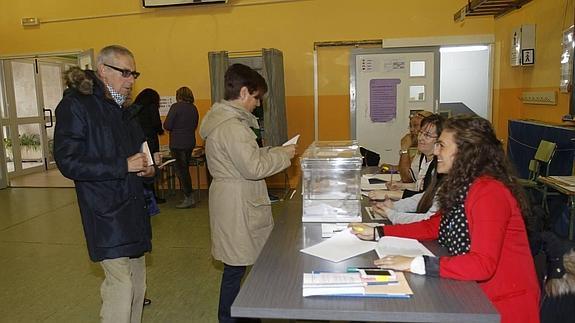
165	104
383	99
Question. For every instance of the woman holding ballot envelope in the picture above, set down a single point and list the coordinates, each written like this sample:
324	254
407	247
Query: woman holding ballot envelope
479	222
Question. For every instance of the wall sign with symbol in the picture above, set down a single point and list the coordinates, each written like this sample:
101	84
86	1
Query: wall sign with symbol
523	45
527	56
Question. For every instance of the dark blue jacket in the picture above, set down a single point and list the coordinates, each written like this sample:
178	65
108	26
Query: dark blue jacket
92	141
181	122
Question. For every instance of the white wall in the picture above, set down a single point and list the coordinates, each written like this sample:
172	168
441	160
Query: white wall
464	77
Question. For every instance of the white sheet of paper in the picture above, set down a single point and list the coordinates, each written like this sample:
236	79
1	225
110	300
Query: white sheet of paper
328	230
341	246
292	141
388	245
146	150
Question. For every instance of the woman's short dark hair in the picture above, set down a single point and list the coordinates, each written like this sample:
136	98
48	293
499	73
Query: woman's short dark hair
238	76
184	94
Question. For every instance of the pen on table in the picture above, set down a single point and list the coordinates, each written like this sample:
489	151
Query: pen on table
292	194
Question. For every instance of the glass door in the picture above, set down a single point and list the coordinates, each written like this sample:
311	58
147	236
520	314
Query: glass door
33	88
51	83
3	119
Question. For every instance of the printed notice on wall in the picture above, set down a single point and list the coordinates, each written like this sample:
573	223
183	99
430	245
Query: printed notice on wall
165	104
367	65
383	99
394	65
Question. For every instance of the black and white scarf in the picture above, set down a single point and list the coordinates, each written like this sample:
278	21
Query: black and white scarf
454	229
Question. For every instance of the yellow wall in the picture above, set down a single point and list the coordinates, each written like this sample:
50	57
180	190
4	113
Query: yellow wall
171	45
551	17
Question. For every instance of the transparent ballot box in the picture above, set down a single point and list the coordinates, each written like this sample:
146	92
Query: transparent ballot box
331	182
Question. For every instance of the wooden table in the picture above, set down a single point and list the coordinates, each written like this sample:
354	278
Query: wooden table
566	190
273	288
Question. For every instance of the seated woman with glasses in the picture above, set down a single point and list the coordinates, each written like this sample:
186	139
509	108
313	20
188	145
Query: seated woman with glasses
423	162
479	223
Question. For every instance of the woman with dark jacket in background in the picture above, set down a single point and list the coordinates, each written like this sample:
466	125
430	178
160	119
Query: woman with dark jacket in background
181	122
148	104
146	109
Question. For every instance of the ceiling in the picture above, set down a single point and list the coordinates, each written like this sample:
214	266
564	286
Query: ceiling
496	8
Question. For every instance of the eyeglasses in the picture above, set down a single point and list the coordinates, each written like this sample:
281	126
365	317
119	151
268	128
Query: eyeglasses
125	72
427	135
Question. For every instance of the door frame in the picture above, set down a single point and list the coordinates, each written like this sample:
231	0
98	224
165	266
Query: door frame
78	57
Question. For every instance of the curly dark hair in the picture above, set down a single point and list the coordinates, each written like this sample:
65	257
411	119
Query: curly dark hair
479	153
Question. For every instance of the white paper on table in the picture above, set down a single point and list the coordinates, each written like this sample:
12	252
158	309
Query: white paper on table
292	141
341	246
328	230
394	246
146	150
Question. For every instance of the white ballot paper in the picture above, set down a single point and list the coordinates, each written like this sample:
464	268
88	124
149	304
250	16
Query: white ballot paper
292	141
343	245
328	230
146	150
394	246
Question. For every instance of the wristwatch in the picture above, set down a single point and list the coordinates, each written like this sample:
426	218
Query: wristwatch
403	151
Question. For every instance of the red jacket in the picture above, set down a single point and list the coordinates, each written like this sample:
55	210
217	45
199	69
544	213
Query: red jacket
499	258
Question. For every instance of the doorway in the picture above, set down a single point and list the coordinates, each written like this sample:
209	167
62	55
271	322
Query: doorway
32	88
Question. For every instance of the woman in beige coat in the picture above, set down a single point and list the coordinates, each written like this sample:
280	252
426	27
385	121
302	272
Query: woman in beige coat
240	212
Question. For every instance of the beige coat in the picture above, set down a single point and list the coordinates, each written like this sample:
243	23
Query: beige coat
240	212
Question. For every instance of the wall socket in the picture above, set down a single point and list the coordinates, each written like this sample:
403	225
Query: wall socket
30	21
547	98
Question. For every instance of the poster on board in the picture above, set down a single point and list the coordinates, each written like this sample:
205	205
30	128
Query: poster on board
165	104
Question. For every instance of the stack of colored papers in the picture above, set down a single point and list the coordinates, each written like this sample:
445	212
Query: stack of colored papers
356	284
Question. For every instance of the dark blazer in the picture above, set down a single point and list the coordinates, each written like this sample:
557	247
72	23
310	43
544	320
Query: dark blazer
92	140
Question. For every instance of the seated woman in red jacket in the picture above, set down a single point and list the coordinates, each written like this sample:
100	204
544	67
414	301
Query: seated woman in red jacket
479	222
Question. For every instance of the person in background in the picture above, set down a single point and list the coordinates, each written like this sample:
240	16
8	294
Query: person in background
424	162
408	149
480	222
239	205
146	107
181	122
97	144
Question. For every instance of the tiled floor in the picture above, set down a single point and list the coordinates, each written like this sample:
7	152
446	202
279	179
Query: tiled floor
46	275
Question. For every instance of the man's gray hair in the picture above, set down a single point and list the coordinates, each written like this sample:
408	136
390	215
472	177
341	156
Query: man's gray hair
108	53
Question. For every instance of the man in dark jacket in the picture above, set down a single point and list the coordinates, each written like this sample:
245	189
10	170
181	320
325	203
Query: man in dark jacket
97	144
